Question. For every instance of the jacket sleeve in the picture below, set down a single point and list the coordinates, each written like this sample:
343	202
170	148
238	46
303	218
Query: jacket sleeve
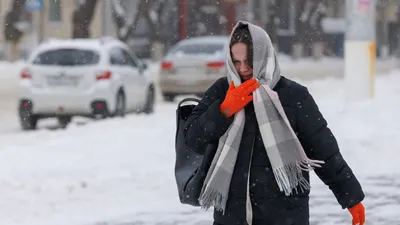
207	124
319	143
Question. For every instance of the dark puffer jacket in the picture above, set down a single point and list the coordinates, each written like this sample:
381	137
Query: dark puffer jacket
270	206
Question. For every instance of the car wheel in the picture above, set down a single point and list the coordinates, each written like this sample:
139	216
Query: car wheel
169	97
28	121
120	105
63	121
150	101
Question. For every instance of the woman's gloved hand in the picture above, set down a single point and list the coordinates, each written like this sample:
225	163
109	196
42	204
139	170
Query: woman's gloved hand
237	98
358	213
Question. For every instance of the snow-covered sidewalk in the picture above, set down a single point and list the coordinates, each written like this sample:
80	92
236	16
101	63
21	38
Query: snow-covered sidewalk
120	171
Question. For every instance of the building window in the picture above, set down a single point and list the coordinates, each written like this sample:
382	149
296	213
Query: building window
55	10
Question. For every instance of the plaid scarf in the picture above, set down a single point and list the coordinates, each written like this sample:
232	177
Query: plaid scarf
284	150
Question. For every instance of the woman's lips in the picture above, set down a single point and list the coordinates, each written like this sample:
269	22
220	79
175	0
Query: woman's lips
245	77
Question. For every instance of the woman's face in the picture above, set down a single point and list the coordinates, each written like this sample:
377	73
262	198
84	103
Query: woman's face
239	59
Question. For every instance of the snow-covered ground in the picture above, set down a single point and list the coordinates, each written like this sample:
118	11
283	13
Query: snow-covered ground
120	171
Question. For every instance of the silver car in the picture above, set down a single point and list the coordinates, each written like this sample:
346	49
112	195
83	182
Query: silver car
192	65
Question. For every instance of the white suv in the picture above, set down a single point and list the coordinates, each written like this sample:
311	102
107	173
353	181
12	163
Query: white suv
85	77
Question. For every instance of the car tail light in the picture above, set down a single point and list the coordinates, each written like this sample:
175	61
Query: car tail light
99	105
166	65
216	65
26	104
103	76
26	74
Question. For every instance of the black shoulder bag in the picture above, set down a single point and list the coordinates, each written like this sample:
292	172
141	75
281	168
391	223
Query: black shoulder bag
190	167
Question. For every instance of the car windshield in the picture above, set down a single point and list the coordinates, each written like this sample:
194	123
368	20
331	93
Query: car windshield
200	48
67	57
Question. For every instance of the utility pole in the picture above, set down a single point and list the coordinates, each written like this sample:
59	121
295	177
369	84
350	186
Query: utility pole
41	24
183	14
108	19
360	49
250	11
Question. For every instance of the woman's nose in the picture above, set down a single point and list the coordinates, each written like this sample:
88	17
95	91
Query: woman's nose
243	67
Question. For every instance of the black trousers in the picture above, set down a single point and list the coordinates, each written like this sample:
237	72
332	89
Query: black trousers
292	217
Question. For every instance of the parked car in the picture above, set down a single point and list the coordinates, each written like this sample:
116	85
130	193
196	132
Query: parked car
192	65
83	77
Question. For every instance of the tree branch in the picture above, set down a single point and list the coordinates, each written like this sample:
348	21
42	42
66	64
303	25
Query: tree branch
82	17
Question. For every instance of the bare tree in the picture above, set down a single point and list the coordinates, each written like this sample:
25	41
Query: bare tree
303	8
12	30
316	33
317	13
397	33
126	20
156	17
206	17
273	22
309	33
82	17
152	11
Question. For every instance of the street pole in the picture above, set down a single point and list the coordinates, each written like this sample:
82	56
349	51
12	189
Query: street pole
360	50
41	24
183	14
107	19
250	11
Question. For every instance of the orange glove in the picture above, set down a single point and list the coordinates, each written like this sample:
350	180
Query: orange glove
237	98
358	213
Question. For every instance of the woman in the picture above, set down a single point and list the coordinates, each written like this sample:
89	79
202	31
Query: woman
269	133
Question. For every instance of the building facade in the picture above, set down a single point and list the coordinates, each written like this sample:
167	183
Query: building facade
53	21
187	18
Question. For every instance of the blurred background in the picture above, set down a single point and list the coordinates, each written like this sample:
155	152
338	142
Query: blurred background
299	28
89	91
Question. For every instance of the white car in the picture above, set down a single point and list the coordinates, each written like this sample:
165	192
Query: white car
83	77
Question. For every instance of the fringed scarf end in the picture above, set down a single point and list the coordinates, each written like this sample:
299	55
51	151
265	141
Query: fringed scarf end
212	197
290	177
309	164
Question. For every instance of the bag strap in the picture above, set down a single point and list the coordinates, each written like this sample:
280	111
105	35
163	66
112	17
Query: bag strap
177	117
188	100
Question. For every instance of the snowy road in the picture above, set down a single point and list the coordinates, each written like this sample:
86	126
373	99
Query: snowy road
382	207
120	171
